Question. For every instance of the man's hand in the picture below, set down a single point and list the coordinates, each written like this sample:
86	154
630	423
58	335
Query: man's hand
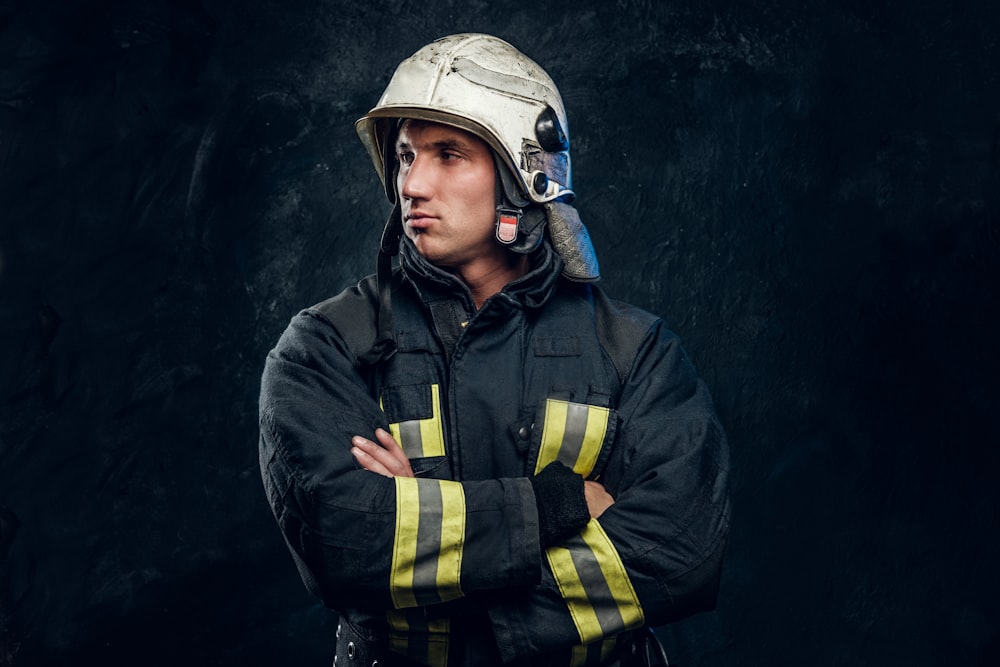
598	498
385	457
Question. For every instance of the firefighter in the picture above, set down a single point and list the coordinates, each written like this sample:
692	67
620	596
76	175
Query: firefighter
476	456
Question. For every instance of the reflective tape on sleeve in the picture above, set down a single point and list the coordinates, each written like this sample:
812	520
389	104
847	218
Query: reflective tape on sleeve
429	538
421	438
573	434
594	584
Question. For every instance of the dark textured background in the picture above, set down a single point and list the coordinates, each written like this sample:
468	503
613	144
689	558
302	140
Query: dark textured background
808	191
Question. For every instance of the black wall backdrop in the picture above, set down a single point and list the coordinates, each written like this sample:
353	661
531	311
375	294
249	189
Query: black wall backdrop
807	191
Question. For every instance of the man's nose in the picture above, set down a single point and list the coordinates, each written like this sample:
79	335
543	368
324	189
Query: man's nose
416	180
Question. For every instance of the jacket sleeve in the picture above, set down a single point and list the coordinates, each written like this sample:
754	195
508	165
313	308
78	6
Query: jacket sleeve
656	554
361	540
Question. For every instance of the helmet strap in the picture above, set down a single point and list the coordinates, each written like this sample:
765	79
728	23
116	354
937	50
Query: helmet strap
531	230
384	345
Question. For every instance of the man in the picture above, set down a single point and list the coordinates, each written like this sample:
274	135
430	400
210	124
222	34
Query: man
477	458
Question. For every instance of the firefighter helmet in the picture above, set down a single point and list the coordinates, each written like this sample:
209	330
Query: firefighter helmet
482	84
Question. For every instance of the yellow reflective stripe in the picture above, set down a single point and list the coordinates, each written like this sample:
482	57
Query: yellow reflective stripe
431	430
394	427
593	582
449	569
421	438
396	435
429	539
593	438
419	638
573	592
615	575
553	429
572	433
404	549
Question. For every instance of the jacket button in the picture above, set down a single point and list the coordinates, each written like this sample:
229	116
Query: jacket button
523	433
351	650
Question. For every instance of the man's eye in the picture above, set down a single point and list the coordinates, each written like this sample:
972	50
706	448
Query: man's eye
405	158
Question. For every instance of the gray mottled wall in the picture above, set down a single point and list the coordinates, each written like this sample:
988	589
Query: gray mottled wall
807	191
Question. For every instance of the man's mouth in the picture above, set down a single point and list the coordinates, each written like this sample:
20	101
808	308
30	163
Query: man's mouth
419	220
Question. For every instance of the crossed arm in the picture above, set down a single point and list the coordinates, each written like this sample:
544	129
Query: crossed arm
385	457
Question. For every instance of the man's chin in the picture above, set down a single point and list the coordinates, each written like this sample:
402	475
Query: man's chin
424	245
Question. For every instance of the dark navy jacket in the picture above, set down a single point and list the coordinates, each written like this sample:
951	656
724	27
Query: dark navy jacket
447	568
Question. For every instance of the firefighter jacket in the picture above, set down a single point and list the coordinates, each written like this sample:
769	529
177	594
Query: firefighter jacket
446	568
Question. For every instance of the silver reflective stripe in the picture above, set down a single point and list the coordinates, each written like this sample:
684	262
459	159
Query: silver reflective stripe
409	438
573	434
428	545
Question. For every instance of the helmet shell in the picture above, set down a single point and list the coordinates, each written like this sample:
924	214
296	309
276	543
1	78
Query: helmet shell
481	84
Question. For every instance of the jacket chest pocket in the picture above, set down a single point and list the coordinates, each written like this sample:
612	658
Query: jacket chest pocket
414	414
578	435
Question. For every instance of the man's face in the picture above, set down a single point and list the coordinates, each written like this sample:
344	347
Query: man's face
446	185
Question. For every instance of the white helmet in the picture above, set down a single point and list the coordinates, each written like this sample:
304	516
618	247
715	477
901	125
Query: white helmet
483	85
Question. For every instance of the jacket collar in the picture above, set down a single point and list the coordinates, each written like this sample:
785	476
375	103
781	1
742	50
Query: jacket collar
530	291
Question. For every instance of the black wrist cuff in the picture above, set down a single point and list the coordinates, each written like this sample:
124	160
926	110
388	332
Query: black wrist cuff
562	505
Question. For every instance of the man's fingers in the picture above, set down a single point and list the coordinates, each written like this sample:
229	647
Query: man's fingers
402	461
369	462
374	457
386	440
385	457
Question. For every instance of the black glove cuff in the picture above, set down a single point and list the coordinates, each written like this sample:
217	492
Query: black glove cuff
562	505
